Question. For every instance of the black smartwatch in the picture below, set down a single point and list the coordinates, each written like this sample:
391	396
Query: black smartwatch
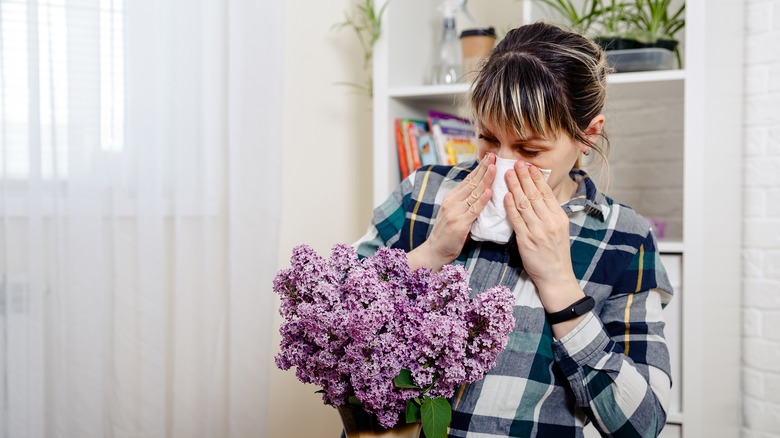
579	308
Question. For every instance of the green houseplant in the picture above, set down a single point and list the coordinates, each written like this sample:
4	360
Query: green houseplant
625	24
366	22
655	24
650	23
612	21
578	19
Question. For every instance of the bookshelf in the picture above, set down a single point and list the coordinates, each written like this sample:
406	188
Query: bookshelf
675	136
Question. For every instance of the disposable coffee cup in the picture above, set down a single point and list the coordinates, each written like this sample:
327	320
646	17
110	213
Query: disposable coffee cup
476	45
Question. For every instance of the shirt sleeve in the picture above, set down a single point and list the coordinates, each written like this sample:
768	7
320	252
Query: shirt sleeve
616	360
387	221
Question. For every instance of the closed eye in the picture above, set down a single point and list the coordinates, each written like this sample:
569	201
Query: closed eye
527	152
517	147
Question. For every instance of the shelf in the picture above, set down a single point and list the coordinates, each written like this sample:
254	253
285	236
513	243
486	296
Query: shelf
645	77
672	128
429	91
653	83
674	418
670	246
646	84
442	94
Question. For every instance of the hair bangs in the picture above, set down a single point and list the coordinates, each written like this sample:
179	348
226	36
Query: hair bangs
519	96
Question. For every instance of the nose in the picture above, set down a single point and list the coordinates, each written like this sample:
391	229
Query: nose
505	152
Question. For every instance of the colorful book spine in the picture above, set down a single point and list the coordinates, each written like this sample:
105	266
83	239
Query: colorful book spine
403	167
453	136
414	153
422	142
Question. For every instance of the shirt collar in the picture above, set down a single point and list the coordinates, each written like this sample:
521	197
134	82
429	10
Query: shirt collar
587	198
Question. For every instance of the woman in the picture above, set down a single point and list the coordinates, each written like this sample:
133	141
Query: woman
588	344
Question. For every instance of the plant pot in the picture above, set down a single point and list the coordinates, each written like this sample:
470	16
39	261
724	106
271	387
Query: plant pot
358	424
665	44
617	43
645	59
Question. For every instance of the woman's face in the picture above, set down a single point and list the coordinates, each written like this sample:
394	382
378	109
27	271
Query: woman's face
558	154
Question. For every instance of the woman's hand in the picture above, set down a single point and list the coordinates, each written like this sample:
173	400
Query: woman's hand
458	211
542	229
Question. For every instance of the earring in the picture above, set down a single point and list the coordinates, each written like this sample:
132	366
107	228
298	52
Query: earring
587	152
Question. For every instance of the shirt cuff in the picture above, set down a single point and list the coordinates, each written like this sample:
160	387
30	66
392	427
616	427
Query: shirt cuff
579	346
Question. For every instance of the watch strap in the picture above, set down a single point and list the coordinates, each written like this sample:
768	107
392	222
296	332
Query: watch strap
579	308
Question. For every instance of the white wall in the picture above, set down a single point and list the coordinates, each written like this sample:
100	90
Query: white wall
645	161
761	215
326	176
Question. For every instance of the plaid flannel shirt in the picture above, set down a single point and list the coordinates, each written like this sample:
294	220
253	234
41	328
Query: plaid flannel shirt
612	369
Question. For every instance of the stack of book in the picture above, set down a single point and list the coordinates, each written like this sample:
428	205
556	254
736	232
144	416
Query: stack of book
441	139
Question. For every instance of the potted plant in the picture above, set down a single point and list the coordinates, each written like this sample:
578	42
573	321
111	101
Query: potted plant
612	21
388	345
654	24
579	20
366	23
632	24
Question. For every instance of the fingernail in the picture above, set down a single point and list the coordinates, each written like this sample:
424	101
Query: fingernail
533	169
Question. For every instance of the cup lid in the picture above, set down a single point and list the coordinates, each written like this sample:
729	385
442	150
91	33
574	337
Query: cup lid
485	31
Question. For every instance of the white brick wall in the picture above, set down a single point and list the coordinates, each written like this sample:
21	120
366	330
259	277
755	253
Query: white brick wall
646	138
761	215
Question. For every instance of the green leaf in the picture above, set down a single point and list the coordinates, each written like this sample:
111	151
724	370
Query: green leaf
321	391
436	416
412	412
404	380
354	401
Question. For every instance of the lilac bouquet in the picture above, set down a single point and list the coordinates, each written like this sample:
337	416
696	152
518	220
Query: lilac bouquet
376	333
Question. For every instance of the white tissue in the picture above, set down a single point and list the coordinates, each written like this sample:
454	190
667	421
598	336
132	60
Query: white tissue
492	224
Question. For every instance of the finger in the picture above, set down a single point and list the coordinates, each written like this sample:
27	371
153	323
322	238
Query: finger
514	216
546	191
476	195
477	206
474	184
530	189
521	203
479	170
543	198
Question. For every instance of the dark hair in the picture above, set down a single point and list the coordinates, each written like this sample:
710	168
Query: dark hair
542	80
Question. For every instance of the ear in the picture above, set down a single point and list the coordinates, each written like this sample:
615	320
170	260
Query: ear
594	129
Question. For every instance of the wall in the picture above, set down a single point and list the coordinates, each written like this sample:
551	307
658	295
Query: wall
326	176
645	161
761	214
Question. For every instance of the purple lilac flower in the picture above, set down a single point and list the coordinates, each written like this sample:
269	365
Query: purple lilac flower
491	320
352	325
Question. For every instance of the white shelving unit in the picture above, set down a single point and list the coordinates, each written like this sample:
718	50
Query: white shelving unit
697	117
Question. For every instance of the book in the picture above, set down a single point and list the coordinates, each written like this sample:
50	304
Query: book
412	154
453	137
403	167
441	139
421	141
460	150
450	119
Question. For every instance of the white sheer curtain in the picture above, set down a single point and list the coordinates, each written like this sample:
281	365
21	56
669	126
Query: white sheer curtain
139	210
